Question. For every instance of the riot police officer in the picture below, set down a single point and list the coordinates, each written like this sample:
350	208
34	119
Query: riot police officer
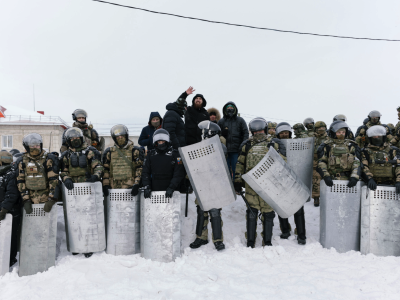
380	160
37	174
373	119
271	129
300	131
122	162
284	131
309	125
338	157
209	130
341	117
249	157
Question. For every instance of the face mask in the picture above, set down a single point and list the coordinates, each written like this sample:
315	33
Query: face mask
230	112
121	141
76	143
34	151
259	136
376	141
162	147
155	124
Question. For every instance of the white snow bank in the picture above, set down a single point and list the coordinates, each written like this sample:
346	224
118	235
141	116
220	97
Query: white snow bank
284	271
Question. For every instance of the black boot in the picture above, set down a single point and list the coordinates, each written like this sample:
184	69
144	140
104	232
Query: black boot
316	201
285	227
73	253
216	225
199	229
251	225
268	223
87	255
301	226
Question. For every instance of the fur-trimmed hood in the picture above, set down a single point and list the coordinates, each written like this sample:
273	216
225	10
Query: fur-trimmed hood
216	111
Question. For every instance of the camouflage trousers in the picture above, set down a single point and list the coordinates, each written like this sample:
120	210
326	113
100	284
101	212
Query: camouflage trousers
122	184
256	201
315	184
204	231
40	196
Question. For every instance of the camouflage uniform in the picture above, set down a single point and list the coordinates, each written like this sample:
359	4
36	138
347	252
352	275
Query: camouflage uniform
118	174
91	165
38	177
361	137
272	125
300	131
319	139
90	136
395	141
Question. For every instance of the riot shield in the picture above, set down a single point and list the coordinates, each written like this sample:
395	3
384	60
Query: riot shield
38	240
84	217
160	227
380	218
300	158
207	169
340	217
122	222
5	244
277	184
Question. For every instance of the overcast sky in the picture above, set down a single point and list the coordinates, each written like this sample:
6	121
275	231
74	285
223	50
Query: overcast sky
120	64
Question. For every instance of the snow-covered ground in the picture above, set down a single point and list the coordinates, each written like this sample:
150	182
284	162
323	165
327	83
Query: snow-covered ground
284	271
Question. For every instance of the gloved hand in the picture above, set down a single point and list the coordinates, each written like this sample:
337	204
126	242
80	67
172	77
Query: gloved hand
397	185
135	190
188	186
169	192
69	184
328	180
105	190
372	184
28	206
91	178
3	213
238	187
147	192
49	204
352	182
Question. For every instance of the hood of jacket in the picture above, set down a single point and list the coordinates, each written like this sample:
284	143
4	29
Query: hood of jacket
216	111
224	109
202	97
153	115
174	107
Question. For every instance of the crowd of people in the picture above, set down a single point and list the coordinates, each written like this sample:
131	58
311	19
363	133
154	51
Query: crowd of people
35	176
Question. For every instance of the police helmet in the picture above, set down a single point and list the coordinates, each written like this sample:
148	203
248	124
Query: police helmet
32	139
120	130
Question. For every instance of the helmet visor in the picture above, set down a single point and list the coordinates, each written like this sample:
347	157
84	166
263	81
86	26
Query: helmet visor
374	114
308	121
283	127
80	113
376	130
340	117
118	130
73	132
335	126
204	124
257	124
33	139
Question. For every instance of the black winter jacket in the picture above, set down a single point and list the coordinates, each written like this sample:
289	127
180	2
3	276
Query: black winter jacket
11	200
193	117
237	129
161	171
146	136
173	123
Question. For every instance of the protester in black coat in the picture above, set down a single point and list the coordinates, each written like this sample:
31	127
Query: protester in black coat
146	136
193	116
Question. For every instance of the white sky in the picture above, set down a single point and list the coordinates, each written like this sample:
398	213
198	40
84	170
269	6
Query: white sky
120	64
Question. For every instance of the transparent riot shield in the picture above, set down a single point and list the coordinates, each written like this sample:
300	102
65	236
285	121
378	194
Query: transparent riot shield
38	240
300	158
160	233
84	217
340	218
123	222
5	244
380	221
277	184
206	166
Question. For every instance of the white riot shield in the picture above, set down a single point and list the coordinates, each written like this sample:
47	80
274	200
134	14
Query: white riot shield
123	222
277	184
206	166
300	158
84	217
160	233
38	240
5	244
380	221
340	218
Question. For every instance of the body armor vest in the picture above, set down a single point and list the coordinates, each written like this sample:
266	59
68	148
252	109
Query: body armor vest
78	164
385	170
119	167
35	174
256	154
340	159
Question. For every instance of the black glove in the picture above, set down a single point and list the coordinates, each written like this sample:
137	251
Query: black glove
397	185
135	190
147	192
188	185
372	184
328	181
105	190
352	182
3	213
69	184
28	206
49	204
91	178
168	193
238	187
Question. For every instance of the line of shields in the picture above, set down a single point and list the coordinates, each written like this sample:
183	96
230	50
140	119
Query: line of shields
351	218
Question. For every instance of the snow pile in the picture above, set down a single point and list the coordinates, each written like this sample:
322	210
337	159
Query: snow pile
284	271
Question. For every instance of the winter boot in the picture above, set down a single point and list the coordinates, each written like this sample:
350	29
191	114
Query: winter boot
285	227
300	226
199	229
268	223
316	201
251	224
87	255
216	225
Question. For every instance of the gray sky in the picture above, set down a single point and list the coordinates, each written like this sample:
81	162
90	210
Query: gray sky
120	64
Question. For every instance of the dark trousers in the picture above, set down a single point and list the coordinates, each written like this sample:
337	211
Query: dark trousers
231	161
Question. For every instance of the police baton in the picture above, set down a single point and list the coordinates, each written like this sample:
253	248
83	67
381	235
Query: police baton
187	201
248	204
